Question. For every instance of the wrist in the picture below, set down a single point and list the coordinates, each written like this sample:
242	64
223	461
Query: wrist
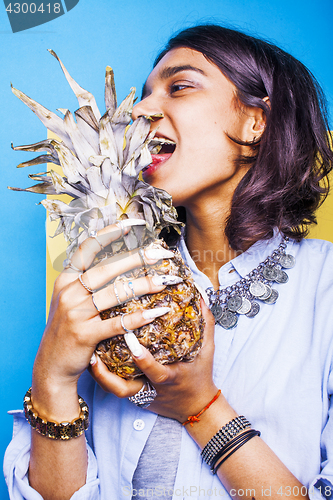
194	403
196	418
56	430
55	401
215	417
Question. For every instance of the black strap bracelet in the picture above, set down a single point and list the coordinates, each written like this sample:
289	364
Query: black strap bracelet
227	447
240	442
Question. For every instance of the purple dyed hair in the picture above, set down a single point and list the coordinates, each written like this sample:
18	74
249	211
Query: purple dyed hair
287	179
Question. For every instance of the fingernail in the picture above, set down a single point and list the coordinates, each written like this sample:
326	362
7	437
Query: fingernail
93	359
158	253
133	344
166	279
131	222
155	313
202	293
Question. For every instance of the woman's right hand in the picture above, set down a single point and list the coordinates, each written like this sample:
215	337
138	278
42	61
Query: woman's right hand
74	326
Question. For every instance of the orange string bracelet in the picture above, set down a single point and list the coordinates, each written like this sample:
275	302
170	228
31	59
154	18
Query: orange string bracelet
195	418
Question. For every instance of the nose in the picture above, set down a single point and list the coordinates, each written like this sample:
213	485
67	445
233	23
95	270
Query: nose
148	108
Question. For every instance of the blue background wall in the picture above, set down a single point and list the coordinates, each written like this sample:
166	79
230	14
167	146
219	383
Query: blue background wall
127	35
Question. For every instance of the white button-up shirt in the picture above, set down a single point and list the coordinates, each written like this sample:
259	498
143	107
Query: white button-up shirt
275	368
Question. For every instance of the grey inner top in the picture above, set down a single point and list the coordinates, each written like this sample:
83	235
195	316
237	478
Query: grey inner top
155	474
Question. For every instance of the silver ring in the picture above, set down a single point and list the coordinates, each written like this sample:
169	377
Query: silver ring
122	281
84	285
143	260
120	225
122	323
130	284
116	293
93	301
145	396
93	234
68	265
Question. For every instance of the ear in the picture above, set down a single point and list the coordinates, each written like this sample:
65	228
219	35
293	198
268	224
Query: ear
255	123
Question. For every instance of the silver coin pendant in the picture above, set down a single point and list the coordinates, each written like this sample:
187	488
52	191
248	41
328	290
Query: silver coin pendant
245	307
255	308
257	288
267	294
287	261
217	311
234	303
273	297
282	277
270	273
228	320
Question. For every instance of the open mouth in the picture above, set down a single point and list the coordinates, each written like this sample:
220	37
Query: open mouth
160	145
161	150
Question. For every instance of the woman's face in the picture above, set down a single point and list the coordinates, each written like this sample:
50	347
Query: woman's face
199	106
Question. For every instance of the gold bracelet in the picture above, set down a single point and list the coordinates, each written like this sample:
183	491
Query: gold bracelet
54	430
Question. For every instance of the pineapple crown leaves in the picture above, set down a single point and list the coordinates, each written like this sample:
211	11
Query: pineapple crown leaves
101	157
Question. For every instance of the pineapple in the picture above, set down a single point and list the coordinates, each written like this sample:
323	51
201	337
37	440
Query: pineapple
102	158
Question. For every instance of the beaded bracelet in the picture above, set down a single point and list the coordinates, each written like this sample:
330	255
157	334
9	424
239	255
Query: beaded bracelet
223	436
54	430
234	445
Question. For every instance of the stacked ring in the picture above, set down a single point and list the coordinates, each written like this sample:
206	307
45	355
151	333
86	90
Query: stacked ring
122	323
123	283
120	225
93	234
68	265
143	260
130	284
145	396
93	301
84	285
116	293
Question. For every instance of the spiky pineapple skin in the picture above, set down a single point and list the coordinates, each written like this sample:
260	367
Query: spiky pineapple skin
176	336
102	158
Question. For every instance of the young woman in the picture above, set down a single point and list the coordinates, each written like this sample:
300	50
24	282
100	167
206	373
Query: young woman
251	157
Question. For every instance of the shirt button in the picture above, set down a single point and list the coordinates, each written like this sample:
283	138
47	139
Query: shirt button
138	424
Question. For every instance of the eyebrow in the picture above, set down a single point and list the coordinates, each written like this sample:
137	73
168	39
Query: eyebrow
171	71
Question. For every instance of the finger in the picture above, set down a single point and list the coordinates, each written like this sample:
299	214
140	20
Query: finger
78	292
110	382
209	322
123	289
110	268
90	247
154	371
97	330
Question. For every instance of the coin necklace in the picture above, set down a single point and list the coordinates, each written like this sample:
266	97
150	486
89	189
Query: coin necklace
242	297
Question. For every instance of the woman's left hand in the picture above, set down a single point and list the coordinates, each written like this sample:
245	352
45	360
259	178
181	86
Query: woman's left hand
183	388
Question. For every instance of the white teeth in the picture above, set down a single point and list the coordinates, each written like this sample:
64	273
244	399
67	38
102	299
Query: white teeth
133	344
166	279
156	144
160	141
158	254
155	313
